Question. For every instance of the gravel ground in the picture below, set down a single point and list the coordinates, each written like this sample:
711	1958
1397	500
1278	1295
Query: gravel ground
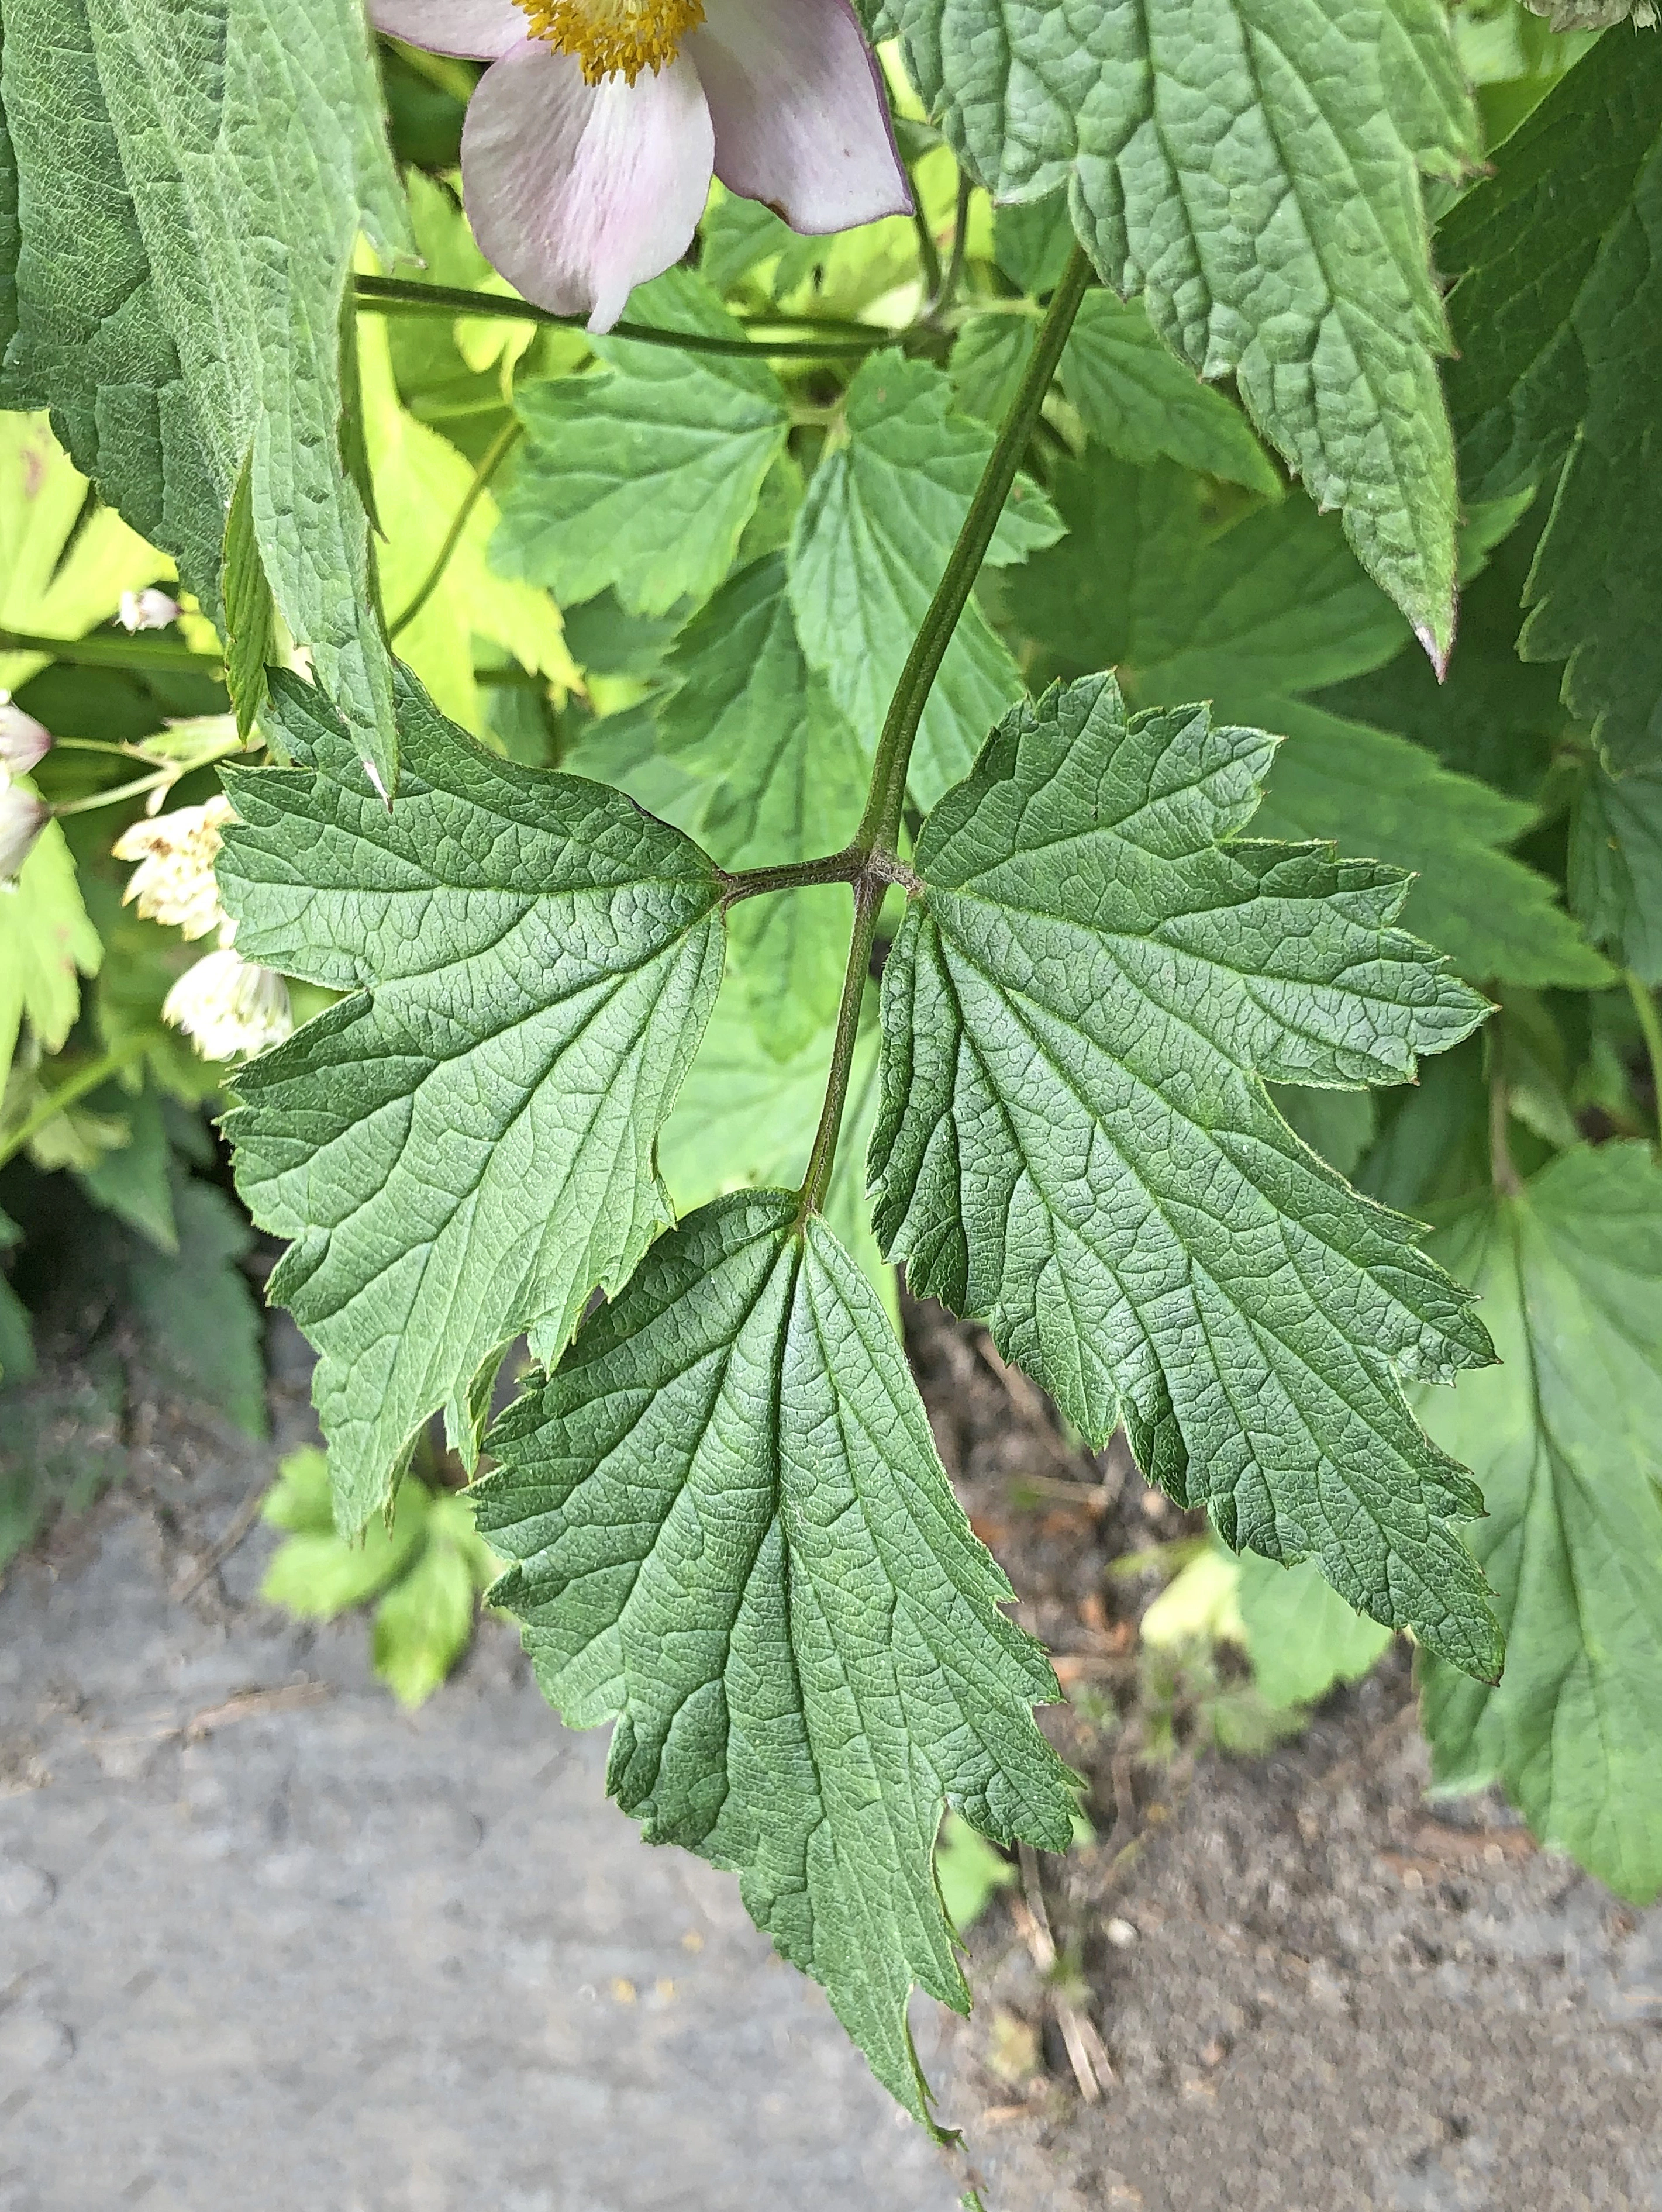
265	1942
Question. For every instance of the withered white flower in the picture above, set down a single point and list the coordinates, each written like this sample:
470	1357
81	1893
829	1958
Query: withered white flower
228	1007
174	882
148	610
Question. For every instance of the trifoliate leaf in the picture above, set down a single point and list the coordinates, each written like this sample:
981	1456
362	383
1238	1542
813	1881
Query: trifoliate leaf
870	542
1074	1144
46	944
1254	171
462	1149
1563	1438
732	1536
1185	594
1138	398
1372	792
642	476
1557	313
1615	865
179	286
787	780
1300	1636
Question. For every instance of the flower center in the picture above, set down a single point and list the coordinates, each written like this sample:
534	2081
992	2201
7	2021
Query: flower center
614	38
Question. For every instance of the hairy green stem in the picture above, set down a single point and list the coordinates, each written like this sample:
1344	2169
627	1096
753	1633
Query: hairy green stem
928	252
868	904
495	455
117	794
880	822
1650	1028
95	1073
381	293
872	855
115	652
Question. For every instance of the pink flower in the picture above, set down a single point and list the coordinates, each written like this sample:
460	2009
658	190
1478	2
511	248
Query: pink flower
24	743
22	818
589	146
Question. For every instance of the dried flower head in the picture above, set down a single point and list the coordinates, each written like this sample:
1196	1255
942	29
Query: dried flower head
174	882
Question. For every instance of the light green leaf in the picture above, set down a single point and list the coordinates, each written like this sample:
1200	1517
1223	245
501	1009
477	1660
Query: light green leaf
746	1121
46	944
134	1181
180	283
788	778
62	571
462	1149
249	609
318	1573
1140	400
1187	594
1615	865
969	1871
421	482
1558	311
1563	1437
425	1622
1300	1635
1074	1144
299	1499
1252	168
988	362
732	1536
642	476
880	518
1375	793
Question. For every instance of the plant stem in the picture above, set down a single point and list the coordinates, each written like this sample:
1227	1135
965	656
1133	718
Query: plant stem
89	1078
381	293
120	791
949	284
928	252
868	904
881	821
114	653
1650	1028
872	856
1502	1173
794	875
495	455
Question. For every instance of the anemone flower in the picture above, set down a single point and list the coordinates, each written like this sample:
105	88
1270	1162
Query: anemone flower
590	143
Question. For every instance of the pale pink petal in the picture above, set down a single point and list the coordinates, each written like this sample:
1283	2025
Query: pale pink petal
479	30
578	192
800	121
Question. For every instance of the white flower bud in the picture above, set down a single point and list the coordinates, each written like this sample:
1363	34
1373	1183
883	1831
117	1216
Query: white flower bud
148	610
174	882
22	818
23	741
228	1006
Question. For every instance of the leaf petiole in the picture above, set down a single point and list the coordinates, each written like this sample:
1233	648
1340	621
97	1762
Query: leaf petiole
873	848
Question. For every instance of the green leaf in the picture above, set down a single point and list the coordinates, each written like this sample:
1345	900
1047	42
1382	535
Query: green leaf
46	944
1561	303
970	1872
1615	865
180	281
318	1573
988	362
1187	594
1074	1144
739	235
202	1327
746	1121
134	1181
1140	400
787	780
250	610
732	1536
872	539
642	476
1563	1437
425	1622
16	1338
462	1149
299	1499
1301	1636
1254	170
1375	793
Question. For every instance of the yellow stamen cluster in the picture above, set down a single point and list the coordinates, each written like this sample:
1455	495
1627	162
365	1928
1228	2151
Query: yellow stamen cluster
614	38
